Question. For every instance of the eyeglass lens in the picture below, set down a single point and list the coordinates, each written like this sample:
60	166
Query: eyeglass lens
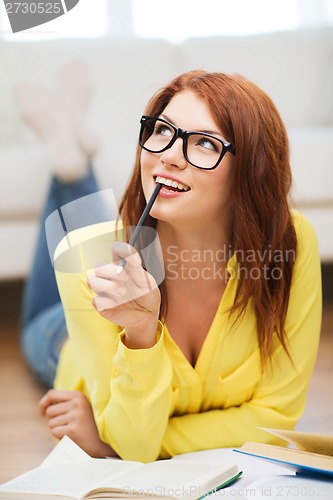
202	150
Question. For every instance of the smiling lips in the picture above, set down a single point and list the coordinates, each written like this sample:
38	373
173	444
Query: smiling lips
172	185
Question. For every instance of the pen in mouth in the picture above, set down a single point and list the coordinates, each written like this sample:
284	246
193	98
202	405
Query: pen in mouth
141	222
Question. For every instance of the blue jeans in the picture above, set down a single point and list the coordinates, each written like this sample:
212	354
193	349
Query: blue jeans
43	321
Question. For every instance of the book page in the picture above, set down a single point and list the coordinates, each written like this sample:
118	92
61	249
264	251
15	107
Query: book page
252	469
66	451
279	487
69	479
175	478
306	441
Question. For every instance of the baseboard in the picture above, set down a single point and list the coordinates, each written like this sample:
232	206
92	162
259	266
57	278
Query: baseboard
327	277
10	298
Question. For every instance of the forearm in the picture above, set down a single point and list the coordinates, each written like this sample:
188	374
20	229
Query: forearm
222	428
278	401
134	419
129	389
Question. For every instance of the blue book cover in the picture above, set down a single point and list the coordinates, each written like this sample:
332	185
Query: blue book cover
302	462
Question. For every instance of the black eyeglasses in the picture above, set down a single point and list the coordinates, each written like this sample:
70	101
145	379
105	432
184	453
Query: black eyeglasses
201	150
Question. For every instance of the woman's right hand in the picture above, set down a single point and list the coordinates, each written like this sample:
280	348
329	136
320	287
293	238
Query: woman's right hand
127	296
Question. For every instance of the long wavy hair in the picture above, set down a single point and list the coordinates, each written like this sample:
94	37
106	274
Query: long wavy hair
262	225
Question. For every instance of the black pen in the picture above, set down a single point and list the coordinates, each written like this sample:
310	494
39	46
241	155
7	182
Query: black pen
141	222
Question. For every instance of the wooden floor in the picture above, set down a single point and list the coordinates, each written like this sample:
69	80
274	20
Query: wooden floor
25	439
24	436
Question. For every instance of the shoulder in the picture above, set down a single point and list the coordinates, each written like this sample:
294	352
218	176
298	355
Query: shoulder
307	243
303	226
305	301
307	269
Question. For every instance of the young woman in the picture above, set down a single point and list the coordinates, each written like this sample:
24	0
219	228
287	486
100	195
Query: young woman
227	343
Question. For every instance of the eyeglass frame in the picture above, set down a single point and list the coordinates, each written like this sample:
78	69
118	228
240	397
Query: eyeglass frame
184	134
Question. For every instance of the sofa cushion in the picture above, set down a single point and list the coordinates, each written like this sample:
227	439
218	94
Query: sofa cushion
312	165
125	74
18	240
290	66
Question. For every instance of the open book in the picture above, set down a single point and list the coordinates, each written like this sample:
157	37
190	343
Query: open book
313	454
69	473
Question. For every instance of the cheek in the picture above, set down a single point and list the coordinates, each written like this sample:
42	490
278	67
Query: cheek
225	175
147	163
147	160
219	186
218	180
144	164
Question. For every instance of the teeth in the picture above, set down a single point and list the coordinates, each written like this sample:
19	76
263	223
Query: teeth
169	182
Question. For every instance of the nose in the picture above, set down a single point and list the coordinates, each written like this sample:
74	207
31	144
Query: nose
174	156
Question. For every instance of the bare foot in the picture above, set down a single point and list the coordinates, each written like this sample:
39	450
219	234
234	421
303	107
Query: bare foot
41	111
75	91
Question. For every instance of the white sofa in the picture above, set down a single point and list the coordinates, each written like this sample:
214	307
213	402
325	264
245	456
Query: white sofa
295	69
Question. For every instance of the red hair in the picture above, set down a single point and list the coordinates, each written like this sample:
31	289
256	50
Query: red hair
262	223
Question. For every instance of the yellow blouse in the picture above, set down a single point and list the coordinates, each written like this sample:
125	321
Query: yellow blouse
151	403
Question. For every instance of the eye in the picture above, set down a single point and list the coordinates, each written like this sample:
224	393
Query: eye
163	129
207	143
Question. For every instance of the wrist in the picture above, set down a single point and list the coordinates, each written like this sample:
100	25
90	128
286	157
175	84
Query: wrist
141	335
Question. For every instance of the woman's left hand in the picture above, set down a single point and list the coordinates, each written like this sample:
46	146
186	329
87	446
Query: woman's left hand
70	413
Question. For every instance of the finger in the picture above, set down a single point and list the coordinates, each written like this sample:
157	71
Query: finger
45	402
134	269
133	282
140	278
58	409
59	421
128	254
123	251
60	432
104	287
138	284
55	396
107	271
101	303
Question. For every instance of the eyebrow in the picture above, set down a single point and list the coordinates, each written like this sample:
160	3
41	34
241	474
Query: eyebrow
210	132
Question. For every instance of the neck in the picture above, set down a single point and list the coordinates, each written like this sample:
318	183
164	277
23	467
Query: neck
188	251
199	236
